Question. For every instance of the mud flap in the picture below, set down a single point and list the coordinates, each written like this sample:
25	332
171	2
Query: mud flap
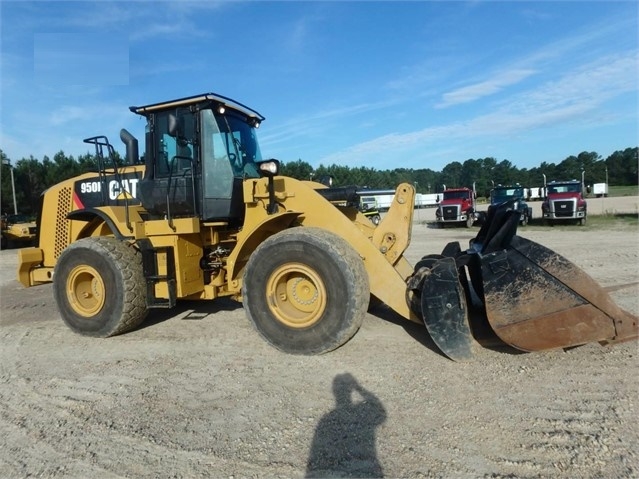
443	307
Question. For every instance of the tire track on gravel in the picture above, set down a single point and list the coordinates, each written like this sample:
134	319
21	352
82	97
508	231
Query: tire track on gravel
576	432
65	421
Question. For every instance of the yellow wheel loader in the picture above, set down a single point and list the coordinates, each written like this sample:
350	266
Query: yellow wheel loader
204	216
17	230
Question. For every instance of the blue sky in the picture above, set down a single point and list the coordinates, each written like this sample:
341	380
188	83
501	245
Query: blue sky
381	84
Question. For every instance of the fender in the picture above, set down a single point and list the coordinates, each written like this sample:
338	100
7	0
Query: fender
89	214
249	240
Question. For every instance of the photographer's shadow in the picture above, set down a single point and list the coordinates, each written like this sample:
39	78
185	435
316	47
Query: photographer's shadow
344	440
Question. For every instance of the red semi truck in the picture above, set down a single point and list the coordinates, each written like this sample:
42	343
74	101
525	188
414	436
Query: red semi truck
456	206
564	201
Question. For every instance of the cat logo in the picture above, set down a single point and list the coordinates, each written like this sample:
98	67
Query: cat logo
127	190
124	195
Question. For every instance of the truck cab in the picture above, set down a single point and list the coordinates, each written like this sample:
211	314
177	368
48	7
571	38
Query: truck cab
517	193
564	201
456	206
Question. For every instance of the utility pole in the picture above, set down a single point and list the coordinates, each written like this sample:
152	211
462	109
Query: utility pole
13	186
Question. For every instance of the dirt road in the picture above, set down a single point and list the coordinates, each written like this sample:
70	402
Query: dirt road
196	393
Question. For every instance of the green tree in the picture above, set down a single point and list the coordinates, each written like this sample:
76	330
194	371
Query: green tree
299	169
451	176
622	167
6	197
32	183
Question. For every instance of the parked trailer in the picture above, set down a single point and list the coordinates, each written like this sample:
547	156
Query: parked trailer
384	198
536	193
426	200
600	189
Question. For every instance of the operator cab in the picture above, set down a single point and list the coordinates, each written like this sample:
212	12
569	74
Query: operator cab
198	151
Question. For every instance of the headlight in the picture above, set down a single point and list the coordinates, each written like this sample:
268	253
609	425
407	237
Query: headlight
270	167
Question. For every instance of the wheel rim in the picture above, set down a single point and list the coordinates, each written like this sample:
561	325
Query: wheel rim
296	295
85	291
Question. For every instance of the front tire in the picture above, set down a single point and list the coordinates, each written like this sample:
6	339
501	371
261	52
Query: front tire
469	221
99	287
305	290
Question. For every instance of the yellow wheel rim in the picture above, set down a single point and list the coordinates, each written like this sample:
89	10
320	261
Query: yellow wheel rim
296	295
85	290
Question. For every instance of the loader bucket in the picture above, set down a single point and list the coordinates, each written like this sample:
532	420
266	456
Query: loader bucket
536	299
533	298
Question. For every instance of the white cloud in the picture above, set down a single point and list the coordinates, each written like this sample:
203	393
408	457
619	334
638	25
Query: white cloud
479	90
318	121
572	99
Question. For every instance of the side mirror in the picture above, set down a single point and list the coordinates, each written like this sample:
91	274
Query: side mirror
175	129
437	199
327	180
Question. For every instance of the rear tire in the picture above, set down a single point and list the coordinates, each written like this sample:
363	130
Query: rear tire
305	290
99	287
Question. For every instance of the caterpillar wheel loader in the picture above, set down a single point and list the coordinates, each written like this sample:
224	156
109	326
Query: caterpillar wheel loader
204	216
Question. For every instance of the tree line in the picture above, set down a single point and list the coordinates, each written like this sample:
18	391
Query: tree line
31	177
620	168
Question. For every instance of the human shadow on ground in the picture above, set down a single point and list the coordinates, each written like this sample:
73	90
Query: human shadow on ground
344	440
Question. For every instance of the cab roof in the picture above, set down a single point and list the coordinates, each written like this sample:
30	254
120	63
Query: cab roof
563	182
213	98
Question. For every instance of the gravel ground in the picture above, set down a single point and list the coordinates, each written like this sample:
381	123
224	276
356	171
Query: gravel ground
195	392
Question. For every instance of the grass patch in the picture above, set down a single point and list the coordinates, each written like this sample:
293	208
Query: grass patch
632	190
607	221
612	220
